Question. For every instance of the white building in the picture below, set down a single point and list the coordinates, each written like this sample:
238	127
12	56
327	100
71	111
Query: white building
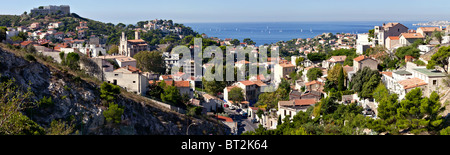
292	107
91	50
129	78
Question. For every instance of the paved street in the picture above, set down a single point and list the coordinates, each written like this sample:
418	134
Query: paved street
246	124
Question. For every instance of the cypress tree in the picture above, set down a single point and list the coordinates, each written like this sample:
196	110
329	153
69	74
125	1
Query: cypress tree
341	80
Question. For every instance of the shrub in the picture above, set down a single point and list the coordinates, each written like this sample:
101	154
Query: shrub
30	57
114	113
46	102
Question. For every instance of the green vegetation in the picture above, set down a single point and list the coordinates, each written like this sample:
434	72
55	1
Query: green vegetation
114	113
314	73
172	95
317	56
109	92
14	101
440	58
365	81
236	95
29	57
150	61
407	50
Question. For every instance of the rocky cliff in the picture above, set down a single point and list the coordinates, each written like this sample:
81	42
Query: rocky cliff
78	101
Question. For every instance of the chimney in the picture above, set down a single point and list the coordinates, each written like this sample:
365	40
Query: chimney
123	35
136	35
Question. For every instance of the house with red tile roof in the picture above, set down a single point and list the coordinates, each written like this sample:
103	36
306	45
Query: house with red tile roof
406	39
392	42
251	90
364	61
292	107
333	61
427	31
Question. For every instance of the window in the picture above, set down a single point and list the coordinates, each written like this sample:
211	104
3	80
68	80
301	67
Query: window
116	74
434	82
134	81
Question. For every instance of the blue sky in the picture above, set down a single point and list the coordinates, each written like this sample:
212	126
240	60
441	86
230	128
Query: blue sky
189	11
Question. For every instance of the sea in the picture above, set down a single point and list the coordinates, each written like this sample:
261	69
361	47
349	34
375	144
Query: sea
271	32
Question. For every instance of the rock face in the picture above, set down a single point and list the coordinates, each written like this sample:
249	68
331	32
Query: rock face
79	101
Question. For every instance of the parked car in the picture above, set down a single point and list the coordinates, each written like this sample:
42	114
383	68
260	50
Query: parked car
231	107
244	114
238	110
254	120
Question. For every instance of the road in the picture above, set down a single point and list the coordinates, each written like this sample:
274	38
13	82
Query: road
247	125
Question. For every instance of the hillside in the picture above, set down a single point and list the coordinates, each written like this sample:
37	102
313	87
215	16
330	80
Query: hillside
77	100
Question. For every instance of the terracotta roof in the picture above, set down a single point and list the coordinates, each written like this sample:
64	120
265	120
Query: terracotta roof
390	25
259	83
387	73
25	43
230	87
247	83
223	118
412	83
305	101
411	35
136	41
429	29
348	68
166	77
394	37
169	83
362	57
284	65
337	58
313	82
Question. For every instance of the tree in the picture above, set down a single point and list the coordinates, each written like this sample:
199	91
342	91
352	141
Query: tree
333	73
236	95
440	58
72	60
341	79
63	58
2	33
113	50
13	101
249	41
172	95
365	81
314	73
109	91
299	61
213	87
150	61
317	56
407	50
58	127
284	84
419	114
235	42
113	113
438	35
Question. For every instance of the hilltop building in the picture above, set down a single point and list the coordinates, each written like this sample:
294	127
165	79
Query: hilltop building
131	47
51	9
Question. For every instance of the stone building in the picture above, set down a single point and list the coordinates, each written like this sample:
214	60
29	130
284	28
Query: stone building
51	9
131	47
